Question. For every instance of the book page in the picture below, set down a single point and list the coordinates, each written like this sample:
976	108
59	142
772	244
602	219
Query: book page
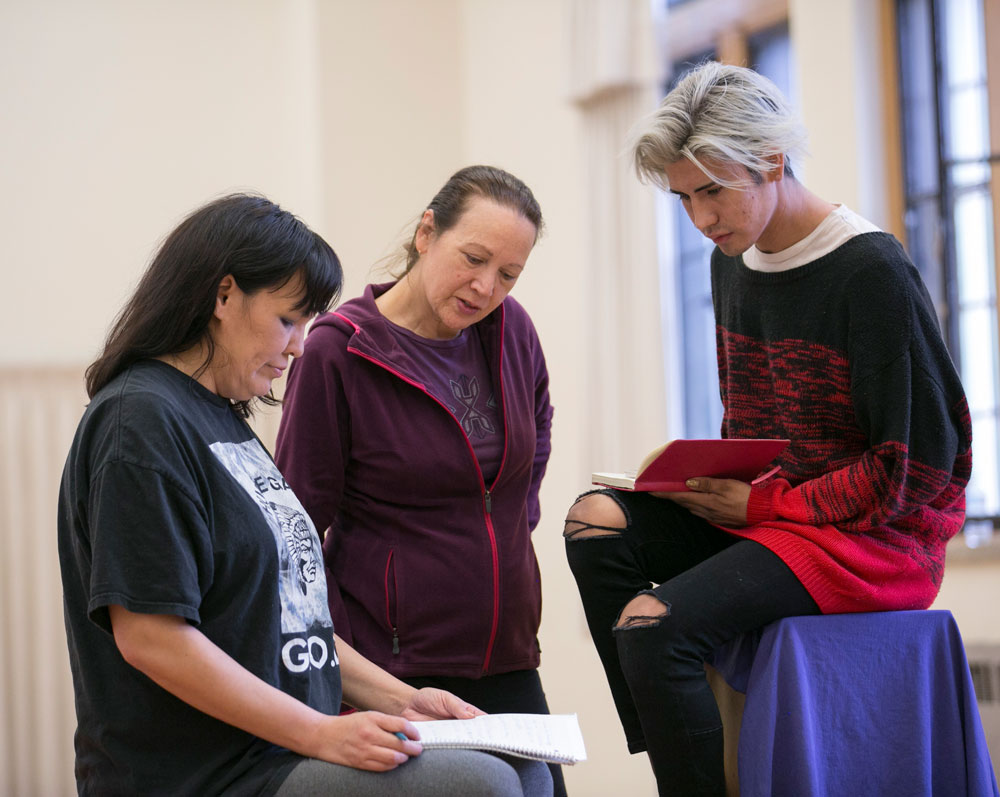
651	456
625	480
548	737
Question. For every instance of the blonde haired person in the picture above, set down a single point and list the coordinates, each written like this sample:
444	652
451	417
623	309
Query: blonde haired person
825	335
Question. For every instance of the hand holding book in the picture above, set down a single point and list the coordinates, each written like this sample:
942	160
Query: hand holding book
668	467
722	502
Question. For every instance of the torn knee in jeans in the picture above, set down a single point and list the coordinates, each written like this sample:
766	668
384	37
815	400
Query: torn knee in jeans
594	515
645	610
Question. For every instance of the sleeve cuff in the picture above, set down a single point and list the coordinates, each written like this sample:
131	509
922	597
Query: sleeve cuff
760	504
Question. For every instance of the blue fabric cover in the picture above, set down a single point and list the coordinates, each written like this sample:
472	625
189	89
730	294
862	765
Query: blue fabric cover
858	704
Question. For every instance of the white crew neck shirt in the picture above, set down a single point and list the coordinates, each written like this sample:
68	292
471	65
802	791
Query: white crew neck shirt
836	229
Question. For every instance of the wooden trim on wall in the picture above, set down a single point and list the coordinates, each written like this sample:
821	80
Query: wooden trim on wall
895	194
733	48
991	25
701	25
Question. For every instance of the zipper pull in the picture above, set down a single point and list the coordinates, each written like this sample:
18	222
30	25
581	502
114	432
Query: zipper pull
489	502
395	642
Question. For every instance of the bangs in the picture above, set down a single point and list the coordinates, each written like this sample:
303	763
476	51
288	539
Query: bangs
322	279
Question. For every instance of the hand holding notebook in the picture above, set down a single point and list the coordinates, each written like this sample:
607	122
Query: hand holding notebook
544	737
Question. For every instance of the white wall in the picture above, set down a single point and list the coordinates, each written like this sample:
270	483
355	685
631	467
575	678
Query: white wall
119	118
392	126
837	48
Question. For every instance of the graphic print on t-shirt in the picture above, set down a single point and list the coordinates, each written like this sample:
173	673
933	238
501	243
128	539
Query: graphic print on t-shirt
475	421
302	578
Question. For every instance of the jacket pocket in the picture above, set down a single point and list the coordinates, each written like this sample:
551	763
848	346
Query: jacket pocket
391	597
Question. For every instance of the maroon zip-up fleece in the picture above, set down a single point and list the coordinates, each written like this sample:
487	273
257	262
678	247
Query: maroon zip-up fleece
431	571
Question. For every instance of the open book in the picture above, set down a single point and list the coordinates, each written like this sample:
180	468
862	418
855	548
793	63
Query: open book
667	467
545	737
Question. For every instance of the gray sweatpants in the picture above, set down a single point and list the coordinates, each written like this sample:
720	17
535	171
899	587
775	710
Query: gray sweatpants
470	773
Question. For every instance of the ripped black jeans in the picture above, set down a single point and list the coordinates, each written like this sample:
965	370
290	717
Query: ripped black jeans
713	586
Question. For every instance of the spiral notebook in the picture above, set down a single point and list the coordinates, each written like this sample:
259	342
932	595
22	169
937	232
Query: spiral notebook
545	737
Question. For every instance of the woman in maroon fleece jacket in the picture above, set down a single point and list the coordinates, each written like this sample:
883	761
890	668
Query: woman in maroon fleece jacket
415	431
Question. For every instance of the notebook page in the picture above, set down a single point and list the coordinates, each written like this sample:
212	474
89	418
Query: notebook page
543	736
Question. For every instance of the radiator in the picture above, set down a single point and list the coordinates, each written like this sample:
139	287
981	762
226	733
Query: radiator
39	411
984	664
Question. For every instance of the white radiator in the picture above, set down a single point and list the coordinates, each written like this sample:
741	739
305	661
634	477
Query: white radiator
39	411
984	664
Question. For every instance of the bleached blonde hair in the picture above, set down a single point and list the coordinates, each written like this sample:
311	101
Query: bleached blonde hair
723	113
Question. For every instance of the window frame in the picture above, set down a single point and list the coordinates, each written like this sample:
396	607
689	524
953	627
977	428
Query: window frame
940	263
695	29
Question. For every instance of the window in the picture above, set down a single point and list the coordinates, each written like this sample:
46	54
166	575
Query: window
769	52
702	408
949	211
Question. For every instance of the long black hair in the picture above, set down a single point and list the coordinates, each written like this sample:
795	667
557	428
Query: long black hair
245	235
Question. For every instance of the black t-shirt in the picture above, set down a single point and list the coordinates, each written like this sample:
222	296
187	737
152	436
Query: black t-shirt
170	505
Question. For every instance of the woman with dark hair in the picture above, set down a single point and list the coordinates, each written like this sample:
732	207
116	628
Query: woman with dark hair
203	655
416	432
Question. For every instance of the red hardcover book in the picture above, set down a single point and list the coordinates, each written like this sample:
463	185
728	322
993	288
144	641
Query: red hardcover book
667	467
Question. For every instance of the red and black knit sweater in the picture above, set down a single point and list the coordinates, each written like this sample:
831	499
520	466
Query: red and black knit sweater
844	357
